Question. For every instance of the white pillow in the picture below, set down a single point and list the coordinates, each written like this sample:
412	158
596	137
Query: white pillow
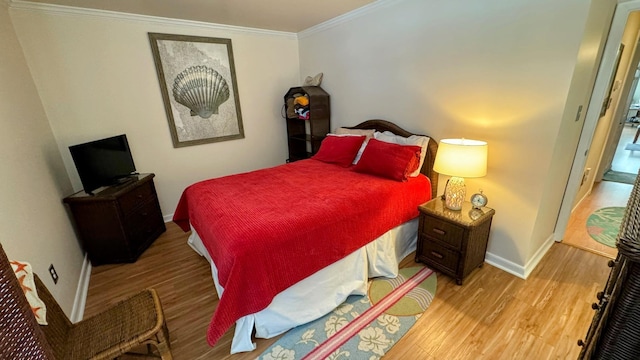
356	132
422	141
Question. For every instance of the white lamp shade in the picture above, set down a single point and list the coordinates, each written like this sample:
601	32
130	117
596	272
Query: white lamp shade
462	158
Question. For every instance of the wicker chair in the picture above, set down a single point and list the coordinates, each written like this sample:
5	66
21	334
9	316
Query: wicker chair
130	324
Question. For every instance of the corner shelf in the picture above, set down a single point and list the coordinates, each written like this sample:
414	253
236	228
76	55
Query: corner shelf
305	135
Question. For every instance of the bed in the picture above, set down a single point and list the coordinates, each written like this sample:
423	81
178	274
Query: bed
278	238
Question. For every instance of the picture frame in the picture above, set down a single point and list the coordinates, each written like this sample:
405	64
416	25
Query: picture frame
199	88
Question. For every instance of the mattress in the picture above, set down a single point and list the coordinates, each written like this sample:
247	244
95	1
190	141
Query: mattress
300	304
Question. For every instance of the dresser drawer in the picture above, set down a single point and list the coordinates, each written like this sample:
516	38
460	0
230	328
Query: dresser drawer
136	196
143	222
445	258
443	231
144	214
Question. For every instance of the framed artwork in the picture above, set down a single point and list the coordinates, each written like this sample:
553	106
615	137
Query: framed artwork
199	89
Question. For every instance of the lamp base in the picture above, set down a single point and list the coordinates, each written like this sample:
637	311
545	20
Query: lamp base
454	193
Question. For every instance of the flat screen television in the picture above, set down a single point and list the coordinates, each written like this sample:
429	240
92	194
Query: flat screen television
103	162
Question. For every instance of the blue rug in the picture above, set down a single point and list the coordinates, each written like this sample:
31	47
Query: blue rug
363	327
632	147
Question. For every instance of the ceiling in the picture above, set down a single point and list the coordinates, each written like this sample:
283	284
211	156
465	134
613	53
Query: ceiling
280	15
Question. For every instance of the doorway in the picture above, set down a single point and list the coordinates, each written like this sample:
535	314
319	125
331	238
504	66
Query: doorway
612	132
621	157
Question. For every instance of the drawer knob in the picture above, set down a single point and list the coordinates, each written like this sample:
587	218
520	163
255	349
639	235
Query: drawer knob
437	254
438	231
139	196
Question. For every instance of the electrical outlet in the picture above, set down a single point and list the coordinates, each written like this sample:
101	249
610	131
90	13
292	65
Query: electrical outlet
54	274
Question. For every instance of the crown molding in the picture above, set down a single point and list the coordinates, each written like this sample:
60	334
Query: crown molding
114	15
344	18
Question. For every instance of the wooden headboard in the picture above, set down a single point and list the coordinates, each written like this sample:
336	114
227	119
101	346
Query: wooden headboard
429	159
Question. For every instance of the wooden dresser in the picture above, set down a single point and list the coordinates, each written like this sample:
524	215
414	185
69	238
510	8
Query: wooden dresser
117	224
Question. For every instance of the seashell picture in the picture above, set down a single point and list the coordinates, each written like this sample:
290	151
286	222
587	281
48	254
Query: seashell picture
199	90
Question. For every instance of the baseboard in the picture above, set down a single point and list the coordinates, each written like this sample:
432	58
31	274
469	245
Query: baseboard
505	265
80	300
520	271
586	195
77	312
537	257
168	218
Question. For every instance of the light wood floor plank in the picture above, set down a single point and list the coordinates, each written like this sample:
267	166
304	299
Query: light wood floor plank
494	315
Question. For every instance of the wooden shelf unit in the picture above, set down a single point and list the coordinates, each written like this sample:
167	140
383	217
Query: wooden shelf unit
305	135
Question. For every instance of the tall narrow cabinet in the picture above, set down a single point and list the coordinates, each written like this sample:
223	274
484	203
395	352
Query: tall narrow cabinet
308	121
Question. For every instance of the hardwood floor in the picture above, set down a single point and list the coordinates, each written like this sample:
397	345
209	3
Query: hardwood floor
603	194
494	315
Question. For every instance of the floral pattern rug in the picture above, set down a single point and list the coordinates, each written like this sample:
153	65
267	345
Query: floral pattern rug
604	224
376	338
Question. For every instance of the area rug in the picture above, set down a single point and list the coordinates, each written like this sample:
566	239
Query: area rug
363	327
604	224
632	147
621	177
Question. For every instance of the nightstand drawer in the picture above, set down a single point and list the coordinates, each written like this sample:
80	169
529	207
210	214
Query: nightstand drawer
440	255
443	231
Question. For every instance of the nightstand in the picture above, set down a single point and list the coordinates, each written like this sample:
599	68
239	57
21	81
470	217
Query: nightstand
453	242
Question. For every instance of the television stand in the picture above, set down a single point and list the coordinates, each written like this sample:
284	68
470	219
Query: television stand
120	222
124	180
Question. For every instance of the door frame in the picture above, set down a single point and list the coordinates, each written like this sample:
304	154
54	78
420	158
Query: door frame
621	113
592	116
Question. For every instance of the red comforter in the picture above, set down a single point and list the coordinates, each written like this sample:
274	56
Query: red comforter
268	229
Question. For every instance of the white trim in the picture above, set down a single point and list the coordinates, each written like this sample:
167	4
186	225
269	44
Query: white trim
168	218
557	235
341	19
537	257
77	312
592	116
107	14
520	271
505	265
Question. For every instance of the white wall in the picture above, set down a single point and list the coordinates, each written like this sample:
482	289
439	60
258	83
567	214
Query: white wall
491	70
34	225
95	74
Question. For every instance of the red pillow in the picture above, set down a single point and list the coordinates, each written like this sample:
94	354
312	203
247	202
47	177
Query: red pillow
389	160
340	150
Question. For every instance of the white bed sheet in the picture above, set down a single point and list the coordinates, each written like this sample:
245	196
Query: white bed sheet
299	303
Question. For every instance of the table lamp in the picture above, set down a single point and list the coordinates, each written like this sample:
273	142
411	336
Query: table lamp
460	158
